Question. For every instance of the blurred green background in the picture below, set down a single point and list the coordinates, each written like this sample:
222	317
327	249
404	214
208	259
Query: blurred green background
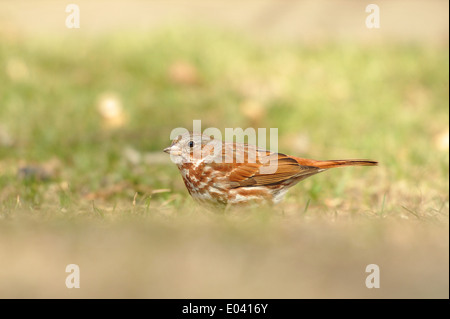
84	115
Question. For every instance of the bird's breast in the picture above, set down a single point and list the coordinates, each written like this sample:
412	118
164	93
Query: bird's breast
204	183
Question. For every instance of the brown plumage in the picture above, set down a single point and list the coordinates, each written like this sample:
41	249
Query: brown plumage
227	174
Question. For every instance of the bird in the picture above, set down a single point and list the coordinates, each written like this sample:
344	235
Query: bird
227	174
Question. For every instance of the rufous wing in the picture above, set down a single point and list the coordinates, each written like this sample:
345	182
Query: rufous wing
261	174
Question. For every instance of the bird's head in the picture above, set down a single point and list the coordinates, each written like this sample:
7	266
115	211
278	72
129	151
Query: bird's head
194	148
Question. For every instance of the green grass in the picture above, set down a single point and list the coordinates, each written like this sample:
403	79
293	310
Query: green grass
100	208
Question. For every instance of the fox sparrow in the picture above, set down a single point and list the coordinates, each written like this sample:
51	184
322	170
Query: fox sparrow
233	174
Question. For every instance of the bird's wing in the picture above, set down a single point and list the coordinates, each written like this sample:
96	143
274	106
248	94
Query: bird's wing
285	168
268	168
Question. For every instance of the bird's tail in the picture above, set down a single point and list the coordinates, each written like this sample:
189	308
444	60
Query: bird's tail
335	163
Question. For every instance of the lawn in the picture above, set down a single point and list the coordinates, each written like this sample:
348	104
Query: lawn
83	179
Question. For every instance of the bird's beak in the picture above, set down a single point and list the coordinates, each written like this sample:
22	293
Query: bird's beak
173	150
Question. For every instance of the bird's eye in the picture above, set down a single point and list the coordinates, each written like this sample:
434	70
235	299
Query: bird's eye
191	144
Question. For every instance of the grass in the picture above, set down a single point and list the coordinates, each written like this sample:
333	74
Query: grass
77	186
